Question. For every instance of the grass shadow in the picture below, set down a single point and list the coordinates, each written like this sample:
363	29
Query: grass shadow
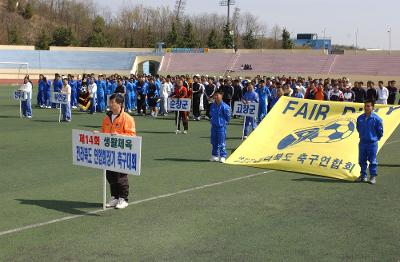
389	165
45	121
155	132
181	160
7	117
321	180
70	207
90	126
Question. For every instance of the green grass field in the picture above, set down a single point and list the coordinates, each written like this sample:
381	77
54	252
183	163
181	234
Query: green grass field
277	216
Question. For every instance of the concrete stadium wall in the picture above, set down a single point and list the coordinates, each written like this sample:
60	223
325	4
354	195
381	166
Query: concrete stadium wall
269	51
101	49
16	47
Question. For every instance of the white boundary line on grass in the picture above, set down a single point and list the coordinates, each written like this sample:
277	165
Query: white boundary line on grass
19	229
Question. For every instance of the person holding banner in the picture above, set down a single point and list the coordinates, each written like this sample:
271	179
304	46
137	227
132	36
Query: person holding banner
181	92
370	129
250	96
118	122
220	117
26	104
66	108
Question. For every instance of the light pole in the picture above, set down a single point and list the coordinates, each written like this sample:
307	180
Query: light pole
356	40
390	39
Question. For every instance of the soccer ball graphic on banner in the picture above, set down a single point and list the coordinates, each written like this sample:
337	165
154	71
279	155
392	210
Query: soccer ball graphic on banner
334	132
330	133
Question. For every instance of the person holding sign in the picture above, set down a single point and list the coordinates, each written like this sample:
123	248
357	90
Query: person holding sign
220	117
250	96
118	122
66	108
181	92
26	104
370	129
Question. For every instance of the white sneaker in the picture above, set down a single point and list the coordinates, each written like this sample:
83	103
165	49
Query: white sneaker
372	180
178	132
29	117
129	111
245	137
222	160
214	159
48	107
112	203
185	132
121	204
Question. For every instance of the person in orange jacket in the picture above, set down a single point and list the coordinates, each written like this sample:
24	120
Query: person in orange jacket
118	122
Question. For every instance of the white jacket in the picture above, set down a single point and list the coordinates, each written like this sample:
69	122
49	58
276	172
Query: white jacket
27	88
383	95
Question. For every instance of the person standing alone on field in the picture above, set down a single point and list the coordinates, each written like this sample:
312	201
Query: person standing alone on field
370	129
220	117
118	122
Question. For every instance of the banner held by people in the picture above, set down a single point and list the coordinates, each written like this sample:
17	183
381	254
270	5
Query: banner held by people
321	139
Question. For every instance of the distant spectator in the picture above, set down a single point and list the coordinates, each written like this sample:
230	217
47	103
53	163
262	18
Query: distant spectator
392	92
383	94
372	94
348	94
335	94
359	93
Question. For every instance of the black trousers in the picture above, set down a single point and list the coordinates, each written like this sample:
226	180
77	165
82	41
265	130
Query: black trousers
119	184
196	106
208	107
141	104
184	117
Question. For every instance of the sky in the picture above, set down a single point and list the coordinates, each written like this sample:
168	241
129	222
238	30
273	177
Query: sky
339	18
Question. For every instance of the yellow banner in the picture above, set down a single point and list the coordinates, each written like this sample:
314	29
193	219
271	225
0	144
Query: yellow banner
314	137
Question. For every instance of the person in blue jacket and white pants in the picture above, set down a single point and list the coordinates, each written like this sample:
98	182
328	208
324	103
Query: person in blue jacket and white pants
370	129
220	117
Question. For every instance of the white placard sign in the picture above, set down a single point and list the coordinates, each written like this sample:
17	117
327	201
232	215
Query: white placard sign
179	104
59	98
106	151
20	95
249	109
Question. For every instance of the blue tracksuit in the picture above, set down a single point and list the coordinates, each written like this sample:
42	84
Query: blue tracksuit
74	92
264	95
41	95
128	94
57	85
47	93
370	131
133	95
250	121
220	117
101	96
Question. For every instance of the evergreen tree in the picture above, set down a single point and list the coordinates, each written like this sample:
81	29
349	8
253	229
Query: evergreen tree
14	37
149	40
43	41
287	43
249	40
213	41
28	11
173	38
12	5
227	40
96	37
189	38
62	37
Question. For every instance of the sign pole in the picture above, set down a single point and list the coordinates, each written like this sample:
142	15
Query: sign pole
104	189
177	120
59	116
244	126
